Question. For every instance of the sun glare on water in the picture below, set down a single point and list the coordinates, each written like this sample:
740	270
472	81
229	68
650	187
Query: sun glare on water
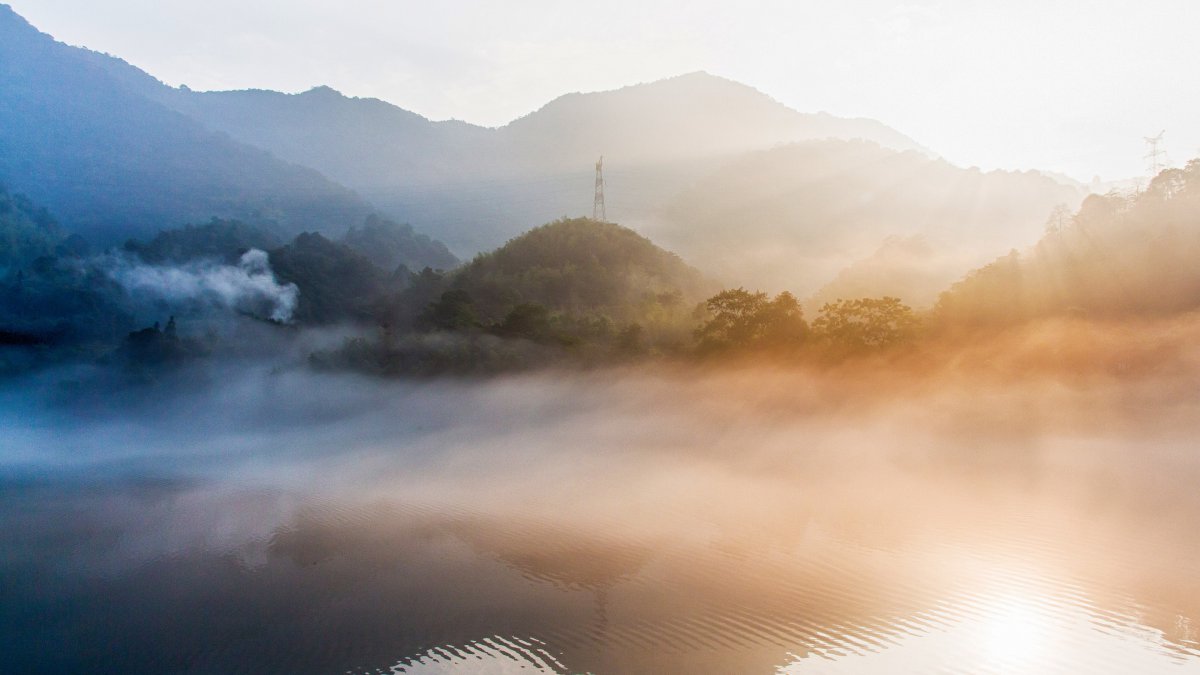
1013	634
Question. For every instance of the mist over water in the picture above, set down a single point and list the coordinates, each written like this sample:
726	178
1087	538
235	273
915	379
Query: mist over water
744	519
361	392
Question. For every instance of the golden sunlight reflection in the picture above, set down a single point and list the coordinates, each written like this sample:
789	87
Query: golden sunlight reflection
1014	634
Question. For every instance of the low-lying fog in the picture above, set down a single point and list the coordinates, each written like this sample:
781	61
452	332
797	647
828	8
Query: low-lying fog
751	519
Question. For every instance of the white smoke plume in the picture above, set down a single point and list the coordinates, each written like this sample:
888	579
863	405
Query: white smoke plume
250	286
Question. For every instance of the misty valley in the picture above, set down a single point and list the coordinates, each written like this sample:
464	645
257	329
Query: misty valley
670	378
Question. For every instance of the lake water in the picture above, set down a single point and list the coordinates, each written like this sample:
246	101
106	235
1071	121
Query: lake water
670	522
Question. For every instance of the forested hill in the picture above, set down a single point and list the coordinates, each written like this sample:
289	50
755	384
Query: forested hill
111	164
580	266
1117	256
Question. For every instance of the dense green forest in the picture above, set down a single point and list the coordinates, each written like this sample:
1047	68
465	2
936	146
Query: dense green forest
59	302
27	232
51	307
219	239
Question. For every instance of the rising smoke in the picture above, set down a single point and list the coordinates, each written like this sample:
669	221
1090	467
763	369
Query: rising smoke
249	287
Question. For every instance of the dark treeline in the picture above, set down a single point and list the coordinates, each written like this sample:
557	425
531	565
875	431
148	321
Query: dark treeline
1119	256
62	301
574	292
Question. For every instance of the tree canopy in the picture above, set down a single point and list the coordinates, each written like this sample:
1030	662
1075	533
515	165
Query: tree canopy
741	319
865	323
26	231
336	283
218	239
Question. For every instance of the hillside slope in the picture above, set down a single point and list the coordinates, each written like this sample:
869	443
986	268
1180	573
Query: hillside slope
111	164
1117	256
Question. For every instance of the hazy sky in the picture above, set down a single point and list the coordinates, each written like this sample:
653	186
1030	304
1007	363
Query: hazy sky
1060	85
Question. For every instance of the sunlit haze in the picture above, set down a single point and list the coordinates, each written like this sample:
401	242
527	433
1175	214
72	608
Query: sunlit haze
627	338
1063	86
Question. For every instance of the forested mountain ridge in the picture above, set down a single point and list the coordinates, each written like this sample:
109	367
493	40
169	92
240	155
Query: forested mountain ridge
1117	256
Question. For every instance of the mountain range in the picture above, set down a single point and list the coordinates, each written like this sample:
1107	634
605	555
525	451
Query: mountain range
107	146
714	169
477	186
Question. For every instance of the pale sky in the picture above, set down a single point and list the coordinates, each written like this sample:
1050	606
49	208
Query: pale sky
1060	85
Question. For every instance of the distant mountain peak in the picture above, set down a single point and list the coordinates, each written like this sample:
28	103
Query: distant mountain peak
696	79
324	90
8	13
13	23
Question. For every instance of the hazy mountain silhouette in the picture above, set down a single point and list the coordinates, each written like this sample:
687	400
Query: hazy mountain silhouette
793	217
76	135
475	187
365	143
372	145
685	117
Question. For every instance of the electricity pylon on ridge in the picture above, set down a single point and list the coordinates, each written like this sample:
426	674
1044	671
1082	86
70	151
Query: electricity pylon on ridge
598	203
1155	157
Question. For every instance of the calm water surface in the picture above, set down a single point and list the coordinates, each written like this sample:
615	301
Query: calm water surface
671	523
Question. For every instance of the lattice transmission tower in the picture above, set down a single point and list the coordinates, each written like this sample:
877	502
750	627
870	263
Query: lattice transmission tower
1156	157
598	203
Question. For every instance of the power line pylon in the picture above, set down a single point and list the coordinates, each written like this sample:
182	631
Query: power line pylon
1156	157
598	203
